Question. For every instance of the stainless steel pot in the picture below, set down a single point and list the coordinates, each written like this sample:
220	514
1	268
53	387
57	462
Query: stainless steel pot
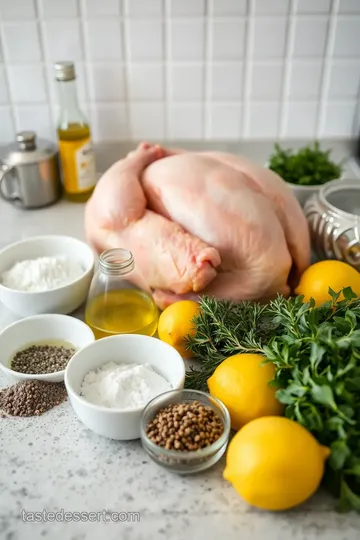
333	215
29	172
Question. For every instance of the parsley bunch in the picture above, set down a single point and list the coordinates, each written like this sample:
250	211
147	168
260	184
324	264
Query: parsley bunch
309	166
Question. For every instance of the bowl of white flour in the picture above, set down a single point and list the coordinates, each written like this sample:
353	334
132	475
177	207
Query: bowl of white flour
45	274
110	382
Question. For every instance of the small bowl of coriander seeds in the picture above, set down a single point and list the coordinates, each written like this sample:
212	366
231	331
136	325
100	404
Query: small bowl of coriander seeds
185	431
41	346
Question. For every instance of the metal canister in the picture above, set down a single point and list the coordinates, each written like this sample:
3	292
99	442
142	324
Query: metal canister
29	172
333	215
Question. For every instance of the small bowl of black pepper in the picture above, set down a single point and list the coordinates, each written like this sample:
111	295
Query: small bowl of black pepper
185	431
41	346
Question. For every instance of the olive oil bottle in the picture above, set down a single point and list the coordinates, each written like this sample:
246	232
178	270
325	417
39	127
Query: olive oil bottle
119	300
75	148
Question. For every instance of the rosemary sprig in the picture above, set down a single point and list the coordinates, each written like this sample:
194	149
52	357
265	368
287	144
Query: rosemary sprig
224	328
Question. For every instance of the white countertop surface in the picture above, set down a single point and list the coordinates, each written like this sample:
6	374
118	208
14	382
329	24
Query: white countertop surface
53	462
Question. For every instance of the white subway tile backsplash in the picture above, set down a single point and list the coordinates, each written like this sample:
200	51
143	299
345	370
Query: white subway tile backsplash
145	40
27	84
349	6
227	39
62	40
15	35
344	79
186	39
226	81
143	8
103	39
224	121
7	131
109	122
4	93
268	38
106	82
17	9
347	32
227	7
186	8
266	80
186	82
146	82
185	121
96	8
35	118
191	69
338	119
51	9
312	6
273	7
305	79
147	121
262	120
310	35
300	119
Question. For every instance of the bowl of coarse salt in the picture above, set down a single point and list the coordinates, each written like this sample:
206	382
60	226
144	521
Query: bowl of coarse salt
45	274
110	382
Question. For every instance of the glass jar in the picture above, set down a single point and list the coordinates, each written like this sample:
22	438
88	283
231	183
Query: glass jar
178	461
119	301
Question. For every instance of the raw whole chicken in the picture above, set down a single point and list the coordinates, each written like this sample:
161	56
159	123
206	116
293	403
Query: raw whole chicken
206	222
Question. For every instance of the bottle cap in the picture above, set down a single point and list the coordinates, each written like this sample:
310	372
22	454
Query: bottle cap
64	71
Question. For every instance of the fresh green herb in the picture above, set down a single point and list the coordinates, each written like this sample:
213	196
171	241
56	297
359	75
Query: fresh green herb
309	166
316	351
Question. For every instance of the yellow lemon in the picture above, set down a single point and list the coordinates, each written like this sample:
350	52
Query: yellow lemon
317	279
175	324
241	382
275	463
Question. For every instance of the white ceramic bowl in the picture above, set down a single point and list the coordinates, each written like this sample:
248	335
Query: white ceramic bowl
41	328
64	299
303	193
125	348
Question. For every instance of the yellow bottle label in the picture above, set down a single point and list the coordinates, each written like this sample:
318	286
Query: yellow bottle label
78	165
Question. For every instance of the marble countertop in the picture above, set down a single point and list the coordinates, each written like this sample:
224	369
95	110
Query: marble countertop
54	463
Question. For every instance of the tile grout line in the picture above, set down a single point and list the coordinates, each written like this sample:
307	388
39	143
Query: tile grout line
40	32
81	10
206	74
45	69
325	79
126	67
246	69
124	32
286	72
166	68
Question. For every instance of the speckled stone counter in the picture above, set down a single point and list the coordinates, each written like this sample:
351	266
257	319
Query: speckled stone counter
54	463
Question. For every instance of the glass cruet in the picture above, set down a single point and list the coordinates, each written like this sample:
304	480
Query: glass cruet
119	301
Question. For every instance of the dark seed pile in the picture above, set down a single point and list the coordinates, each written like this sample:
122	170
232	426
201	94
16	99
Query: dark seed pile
185	426
31	398
39	359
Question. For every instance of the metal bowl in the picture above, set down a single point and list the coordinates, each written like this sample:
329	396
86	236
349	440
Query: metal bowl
333	215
